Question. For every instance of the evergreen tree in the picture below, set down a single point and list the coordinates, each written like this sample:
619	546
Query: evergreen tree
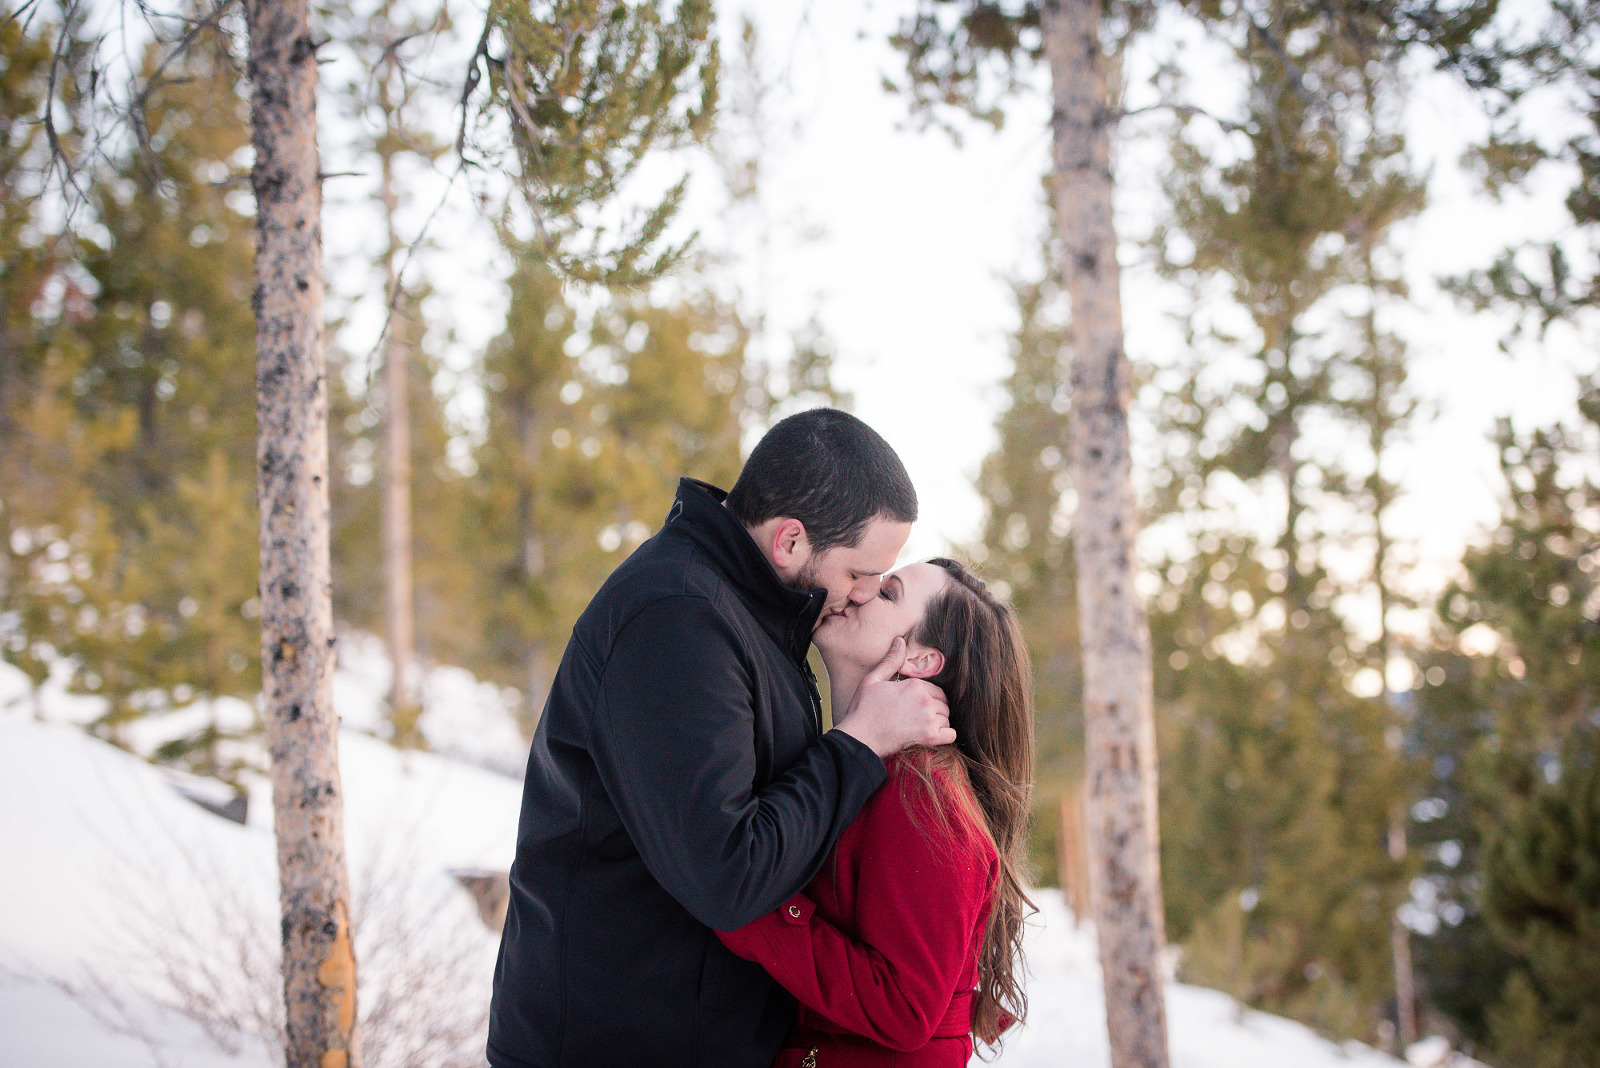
536	491
439	487
46	448
1542	897
1304	213
383	101
589	89
588	420
1517	689
1026	543
1524	68
1278	886
141	429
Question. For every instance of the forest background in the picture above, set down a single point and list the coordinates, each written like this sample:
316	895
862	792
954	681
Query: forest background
1378	725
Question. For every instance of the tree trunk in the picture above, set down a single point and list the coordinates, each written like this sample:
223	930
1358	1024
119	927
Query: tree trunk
397	582
296	609
1118	702
1382	425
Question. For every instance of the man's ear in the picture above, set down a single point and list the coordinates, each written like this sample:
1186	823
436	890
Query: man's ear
791	548
922	662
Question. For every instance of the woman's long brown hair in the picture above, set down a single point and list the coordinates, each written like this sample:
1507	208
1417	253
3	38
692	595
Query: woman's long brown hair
988	680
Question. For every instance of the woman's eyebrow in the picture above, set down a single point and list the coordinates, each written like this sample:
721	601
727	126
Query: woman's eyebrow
893	580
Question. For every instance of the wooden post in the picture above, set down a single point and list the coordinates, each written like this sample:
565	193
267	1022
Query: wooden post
1072	855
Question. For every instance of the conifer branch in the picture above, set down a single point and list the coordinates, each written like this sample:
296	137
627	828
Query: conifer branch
1185	111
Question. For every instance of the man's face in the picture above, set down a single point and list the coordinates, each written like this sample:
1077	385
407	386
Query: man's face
851	574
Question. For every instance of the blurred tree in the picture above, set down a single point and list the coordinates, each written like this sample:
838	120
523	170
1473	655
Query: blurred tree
1541	894
536	491
383	100
1461	966
439	489
586	417
1517	686
149	380
1275	798
588	89
46	446
1527	66
1026	543
32	259
1303	214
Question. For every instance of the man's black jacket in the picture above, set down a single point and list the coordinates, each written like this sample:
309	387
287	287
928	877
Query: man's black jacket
679	781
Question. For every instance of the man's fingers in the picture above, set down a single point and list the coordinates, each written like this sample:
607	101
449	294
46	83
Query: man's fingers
890	664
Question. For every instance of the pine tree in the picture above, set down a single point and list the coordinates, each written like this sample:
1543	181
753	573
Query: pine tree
1524	66
1026	545
1278	887
589	90
585	418
1518	687
535	489
143	395
46	449
1304	213
1542	897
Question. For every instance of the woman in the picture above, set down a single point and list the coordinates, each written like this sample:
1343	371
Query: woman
908	943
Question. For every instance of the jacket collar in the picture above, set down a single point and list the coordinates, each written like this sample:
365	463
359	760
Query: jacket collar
786	614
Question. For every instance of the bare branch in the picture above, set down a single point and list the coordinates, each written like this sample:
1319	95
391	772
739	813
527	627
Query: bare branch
1185	111
137	105
470	83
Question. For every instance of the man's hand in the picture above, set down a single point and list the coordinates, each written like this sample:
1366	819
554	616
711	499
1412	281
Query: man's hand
889	714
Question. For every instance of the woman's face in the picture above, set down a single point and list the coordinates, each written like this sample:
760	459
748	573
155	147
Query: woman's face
861	634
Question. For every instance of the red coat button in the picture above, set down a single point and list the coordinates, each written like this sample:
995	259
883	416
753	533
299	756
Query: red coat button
794	910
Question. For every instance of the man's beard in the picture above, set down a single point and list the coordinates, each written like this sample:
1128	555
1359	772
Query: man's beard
807	579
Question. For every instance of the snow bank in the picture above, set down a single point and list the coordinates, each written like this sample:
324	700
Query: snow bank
97	845
1206	1029
118	895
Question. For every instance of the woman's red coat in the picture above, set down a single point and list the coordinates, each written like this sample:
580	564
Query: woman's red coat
881	950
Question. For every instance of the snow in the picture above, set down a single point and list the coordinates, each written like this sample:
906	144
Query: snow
107	866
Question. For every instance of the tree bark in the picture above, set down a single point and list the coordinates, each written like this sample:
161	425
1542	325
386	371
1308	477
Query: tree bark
1118	702
399	603
296	608
1382	424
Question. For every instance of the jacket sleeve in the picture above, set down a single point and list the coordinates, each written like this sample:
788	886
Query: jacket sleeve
919	900
674	744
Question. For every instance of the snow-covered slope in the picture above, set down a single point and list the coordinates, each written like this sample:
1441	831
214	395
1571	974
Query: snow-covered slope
116	892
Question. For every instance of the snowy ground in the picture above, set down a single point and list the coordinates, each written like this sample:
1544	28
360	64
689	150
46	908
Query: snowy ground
118	897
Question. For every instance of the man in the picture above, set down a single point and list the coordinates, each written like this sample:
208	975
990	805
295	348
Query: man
680	779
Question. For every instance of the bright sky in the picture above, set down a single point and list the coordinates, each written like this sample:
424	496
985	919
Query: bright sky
920	237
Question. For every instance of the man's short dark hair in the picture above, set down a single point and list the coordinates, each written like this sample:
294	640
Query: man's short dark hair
827	469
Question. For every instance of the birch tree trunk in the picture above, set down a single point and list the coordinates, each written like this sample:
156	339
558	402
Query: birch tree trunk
1118	704
296	609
